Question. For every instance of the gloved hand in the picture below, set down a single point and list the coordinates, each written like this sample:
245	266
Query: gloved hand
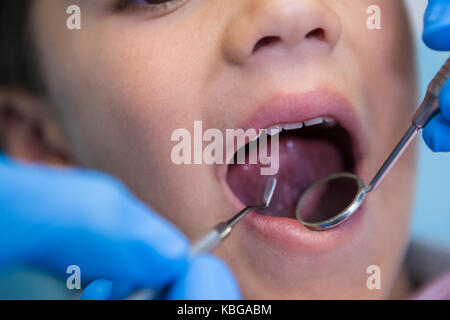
53	218
436	35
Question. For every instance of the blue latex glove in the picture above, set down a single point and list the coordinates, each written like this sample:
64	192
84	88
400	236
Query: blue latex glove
436	35
53	218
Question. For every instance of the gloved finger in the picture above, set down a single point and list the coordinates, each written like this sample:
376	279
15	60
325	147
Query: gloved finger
86	219
106	290
206	277
444	100
437	134
4	159
97	290
436	33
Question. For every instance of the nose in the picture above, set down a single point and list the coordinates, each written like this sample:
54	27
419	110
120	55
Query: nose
283	26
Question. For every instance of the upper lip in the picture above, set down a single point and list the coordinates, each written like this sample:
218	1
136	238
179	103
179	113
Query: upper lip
295	108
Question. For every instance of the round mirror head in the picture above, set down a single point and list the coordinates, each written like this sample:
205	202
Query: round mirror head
330	201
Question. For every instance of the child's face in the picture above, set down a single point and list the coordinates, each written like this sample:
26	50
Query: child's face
123	83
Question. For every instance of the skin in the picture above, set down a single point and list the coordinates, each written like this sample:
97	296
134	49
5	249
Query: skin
119	87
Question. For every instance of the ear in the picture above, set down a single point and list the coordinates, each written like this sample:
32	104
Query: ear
28	132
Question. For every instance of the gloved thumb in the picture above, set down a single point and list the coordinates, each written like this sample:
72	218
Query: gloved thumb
206	278
436	34
106	290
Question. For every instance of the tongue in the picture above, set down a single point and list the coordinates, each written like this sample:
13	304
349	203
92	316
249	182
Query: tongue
301	163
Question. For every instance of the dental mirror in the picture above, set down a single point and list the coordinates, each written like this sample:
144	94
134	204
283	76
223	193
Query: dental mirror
333	199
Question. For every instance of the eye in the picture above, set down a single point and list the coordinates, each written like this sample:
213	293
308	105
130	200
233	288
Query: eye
155	6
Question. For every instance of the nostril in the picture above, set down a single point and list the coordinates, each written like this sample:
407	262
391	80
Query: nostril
266	41
318	34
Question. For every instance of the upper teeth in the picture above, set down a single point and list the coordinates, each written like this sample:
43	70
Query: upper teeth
273	130
293	126
313	122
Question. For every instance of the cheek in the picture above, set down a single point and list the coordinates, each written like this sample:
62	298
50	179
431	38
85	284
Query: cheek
143	89
154	77
133	96
386	57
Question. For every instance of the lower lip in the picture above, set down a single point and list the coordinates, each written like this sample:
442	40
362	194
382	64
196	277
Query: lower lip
291	235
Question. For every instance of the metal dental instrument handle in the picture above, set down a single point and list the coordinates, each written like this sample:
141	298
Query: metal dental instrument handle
430	105
213	238
427	110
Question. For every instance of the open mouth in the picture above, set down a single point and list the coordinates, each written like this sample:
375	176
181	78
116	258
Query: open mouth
321	134
308	151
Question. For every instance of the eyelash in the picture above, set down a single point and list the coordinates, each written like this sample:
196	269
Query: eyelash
158	8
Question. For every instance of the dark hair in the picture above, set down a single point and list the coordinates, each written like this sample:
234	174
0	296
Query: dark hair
18	63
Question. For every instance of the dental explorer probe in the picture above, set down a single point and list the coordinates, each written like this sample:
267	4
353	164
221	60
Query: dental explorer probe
213	238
